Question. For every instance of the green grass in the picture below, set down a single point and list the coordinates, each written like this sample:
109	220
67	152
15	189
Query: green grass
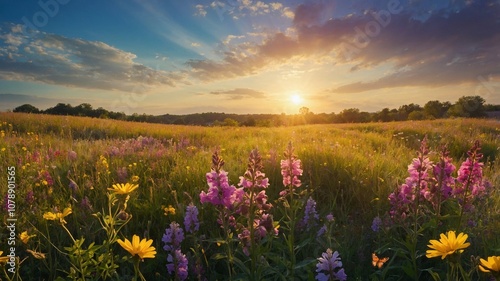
349	169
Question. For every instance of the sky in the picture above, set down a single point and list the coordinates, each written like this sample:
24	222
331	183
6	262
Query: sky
247	56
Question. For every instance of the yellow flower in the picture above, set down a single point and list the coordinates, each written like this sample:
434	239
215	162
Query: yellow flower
123	188
492	264
447	245
169	210
135	179
36	255
142	248
3	149
25	237
3	259
58	216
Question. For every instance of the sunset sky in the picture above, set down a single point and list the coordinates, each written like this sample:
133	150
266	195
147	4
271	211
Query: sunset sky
247	56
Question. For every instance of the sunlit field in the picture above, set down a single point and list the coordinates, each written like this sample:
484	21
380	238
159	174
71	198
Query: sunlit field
272	220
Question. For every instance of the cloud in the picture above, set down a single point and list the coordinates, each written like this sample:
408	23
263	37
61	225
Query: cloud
54	59
448	47
240	93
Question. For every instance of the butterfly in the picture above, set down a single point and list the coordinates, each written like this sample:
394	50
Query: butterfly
377	262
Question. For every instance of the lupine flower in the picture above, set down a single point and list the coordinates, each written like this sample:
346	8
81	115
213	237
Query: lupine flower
30	198
492	264
85	204
377	224
443	173
291	168
322	231
173	237
123	188
447	245
470	173
122	174
141	248
310	215
329	267
191	223
58	216
73	185
177	265
403	199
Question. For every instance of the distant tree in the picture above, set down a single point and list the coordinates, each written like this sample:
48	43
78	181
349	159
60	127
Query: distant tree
417	115
383	115
26	108
436	109
83	109
60	109
304	110
250	122
468	106
351	115
406	109
230	122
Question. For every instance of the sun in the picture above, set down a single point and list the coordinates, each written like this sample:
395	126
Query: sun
296	99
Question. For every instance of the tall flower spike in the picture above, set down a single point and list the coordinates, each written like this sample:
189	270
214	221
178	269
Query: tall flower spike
329	267
191	223
173	237
291	168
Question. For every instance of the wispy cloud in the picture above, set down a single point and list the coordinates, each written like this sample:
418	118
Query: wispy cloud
54	59
443	48
240	93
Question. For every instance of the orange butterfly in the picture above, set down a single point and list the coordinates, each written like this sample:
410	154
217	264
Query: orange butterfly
377	262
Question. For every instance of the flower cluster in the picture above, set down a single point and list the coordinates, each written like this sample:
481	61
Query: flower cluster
191	223
220	193
440	185
329	267
311	216
177	264
290	170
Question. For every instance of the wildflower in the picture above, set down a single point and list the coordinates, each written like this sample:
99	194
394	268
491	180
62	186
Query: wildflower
173	237
122	174
85	204
73	185
330	217
447	245
329	267
58	216
25	237
123	188
310	214
177	265
492	264
376	224
169	210
406	196
322	231
291	168
191	223
141	248
220	193
470	173
135	179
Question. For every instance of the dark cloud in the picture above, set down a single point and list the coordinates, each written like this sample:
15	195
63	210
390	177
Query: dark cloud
240	93
53	59
446	47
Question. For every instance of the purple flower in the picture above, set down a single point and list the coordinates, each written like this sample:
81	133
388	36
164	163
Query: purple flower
191	223
377	224
291	168
330	217
329	267
177	264
322	231
173	237
310	215
73	185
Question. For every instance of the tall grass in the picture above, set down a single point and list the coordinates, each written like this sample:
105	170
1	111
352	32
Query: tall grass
349	170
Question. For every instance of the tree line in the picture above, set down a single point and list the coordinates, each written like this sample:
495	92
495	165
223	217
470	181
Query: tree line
466	106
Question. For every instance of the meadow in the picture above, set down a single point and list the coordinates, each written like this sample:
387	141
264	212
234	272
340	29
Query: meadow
72	223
